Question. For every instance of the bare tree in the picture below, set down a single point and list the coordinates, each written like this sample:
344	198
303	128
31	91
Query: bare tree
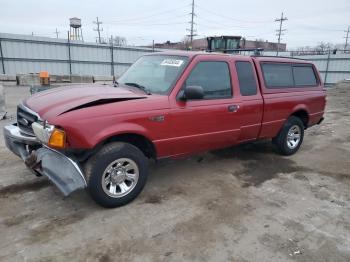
324	47
186	42
321	48
118	40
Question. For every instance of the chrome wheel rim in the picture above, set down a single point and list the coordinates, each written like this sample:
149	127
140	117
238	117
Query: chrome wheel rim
293	136
120	177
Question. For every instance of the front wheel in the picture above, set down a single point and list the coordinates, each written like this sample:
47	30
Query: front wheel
290	137
116	174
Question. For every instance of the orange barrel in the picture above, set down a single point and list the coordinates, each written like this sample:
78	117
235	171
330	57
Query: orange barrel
44	78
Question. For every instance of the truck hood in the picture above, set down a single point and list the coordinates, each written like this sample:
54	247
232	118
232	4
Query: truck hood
58	101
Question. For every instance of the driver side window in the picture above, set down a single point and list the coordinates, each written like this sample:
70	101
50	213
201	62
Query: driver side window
213	77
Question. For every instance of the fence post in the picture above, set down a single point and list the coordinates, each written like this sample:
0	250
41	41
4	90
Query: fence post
327	65
112	57
69	58
2	58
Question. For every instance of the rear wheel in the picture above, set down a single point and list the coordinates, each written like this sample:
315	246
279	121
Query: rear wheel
116	174
290	137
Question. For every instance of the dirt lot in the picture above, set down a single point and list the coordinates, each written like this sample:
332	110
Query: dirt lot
240	204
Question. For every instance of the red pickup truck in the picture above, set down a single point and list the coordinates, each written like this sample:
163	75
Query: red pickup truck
168	104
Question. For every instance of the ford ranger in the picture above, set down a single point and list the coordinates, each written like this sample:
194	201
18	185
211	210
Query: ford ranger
167	104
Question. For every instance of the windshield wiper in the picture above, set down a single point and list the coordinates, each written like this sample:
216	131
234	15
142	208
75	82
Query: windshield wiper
139	87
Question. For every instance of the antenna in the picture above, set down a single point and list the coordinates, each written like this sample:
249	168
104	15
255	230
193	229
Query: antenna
280	30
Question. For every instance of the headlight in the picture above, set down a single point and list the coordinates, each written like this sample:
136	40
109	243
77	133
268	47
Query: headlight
50	135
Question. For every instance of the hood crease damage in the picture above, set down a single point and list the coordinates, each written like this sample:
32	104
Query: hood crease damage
101	102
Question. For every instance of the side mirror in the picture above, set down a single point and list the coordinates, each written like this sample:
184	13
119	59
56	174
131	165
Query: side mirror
192	93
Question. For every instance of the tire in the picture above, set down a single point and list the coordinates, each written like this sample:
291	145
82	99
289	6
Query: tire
284	142
116	174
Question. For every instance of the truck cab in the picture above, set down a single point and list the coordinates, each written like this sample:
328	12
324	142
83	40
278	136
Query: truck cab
224	44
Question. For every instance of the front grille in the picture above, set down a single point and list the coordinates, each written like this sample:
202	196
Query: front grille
25	119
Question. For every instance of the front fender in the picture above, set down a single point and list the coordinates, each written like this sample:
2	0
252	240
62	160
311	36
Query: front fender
118	129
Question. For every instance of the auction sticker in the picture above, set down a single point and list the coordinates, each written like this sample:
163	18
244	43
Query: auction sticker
172	62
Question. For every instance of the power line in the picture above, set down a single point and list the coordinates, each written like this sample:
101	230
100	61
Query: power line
98	29
220	24
151	16
231	18
280	30
317	13
192	30
313	28
155	24
149	20
346	38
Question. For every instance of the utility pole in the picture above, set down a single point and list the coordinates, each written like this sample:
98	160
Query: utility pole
98	29
112	56
69	56
192	30
346	38
57	32
280	31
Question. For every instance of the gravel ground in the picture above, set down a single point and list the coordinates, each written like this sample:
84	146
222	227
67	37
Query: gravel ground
240	204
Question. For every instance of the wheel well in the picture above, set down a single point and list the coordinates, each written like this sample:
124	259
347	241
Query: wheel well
303	115
141	142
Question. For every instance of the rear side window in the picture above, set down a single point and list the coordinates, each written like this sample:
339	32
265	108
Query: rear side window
278	75
304	76
247	82
213	77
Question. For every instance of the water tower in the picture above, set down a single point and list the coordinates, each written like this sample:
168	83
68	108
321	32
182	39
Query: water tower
75	31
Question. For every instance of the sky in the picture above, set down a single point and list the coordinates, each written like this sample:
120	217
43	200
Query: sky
140	22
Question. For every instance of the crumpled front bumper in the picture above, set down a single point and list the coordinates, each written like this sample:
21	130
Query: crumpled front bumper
64	172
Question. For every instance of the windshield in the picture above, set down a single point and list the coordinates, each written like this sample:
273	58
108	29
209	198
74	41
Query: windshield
154	73
224	43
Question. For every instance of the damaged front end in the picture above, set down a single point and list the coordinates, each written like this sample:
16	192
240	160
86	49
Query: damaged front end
31	144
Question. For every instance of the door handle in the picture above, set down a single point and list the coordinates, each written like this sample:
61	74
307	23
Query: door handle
233	108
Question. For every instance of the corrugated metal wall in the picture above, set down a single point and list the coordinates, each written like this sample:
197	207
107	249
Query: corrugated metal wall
30	54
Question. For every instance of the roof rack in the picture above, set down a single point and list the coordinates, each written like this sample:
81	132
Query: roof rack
287	57
257	53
